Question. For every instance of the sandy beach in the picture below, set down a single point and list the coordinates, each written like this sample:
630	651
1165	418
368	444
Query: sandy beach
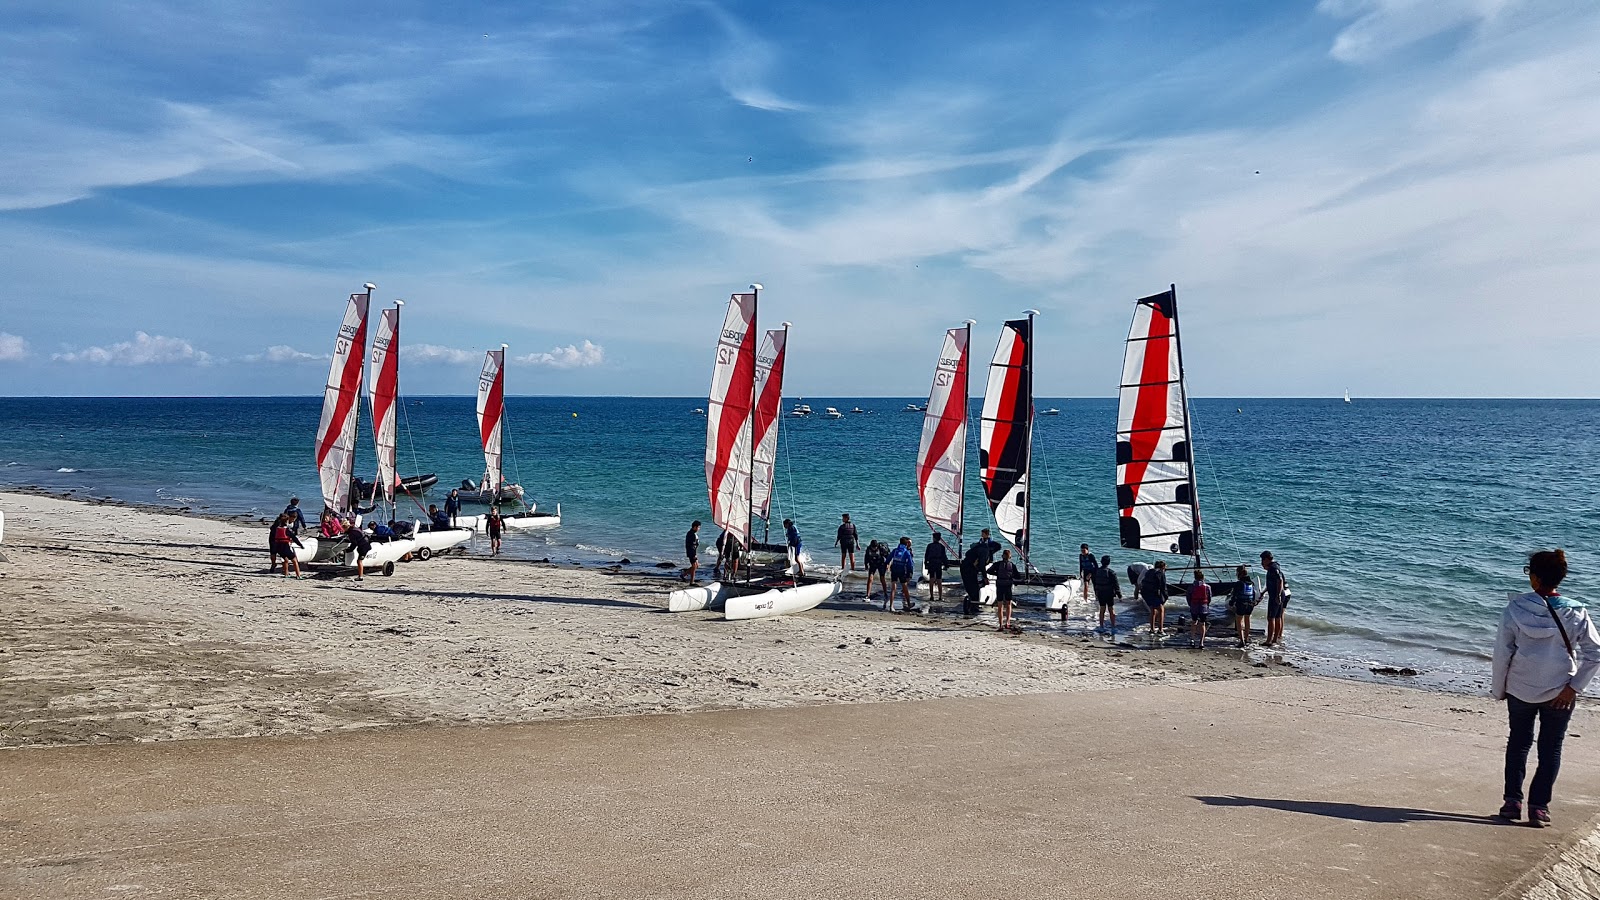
137	625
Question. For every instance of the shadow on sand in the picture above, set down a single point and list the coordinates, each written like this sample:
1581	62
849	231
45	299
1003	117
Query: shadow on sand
1355	812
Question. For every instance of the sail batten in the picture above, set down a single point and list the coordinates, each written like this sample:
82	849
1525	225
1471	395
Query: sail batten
1005	432
942	453
730	406
385	389
1158	505
769	406
491	419
341	406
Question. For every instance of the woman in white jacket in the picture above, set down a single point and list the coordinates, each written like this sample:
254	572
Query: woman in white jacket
1546	653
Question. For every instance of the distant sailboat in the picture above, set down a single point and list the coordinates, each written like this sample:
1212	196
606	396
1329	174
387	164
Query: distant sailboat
1347	395
491	430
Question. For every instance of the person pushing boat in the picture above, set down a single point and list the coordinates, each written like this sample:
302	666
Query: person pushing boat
791	536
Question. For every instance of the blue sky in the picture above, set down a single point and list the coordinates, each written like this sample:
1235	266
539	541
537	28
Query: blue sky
1394	196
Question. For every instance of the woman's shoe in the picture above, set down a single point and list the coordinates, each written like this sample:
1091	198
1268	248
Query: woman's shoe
1539	817
1511	811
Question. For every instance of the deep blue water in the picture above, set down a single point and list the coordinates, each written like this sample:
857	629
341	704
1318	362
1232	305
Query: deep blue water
1401	523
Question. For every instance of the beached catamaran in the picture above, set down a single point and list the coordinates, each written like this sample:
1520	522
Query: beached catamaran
1158	501
336	440
493	488
732	461
1005	455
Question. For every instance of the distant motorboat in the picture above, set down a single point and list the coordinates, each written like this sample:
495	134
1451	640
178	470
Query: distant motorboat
912	407
831	413
857	411
1052	411
697	411
800	409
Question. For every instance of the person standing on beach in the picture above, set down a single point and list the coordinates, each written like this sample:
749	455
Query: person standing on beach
791	536
901	562
284	540
452	506
1086	570
1242	602
1153	588
1199	608
493	524
877	559
1107	590
1546	652
362	545
1277	599
973	566
296	516
990	547
934	559
691	549
1005	574
846	542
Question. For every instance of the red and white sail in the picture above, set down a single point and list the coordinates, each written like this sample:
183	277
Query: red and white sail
729	449
769	408
1005	431
1156	497
942	455
385	389
341	405
491	417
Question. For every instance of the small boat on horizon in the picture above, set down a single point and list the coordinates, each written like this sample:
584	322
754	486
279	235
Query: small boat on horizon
800	409
1052	411
857	411
697	411
831	413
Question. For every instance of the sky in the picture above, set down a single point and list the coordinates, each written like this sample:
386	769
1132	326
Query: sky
1395	197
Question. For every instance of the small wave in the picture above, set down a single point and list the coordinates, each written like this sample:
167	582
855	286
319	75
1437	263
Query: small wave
62	469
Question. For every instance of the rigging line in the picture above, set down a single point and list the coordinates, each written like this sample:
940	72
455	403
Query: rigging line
516	466
1055	507
1216	485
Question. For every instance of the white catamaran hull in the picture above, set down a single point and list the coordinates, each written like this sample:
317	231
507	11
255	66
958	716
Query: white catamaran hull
779	601
691	599
522	521
340	553
430	542
1056	598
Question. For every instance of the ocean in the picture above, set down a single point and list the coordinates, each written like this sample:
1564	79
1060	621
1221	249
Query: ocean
1401	524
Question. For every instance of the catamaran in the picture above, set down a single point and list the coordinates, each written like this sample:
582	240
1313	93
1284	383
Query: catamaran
741	418
942	452
336	440
1005	455
491	429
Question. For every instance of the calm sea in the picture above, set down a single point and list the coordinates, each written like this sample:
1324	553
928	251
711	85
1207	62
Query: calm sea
1401	523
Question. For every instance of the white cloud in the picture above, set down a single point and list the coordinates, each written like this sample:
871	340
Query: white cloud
571	356
746	64
12	348
1383	26
283	353
143	350
433	353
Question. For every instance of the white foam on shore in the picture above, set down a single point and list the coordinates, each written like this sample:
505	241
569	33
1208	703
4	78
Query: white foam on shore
63	469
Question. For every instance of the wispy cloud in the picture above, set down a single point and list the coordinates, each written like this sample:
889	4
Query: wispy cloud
433	353
12	348
1384	26
572	356
143	350
283	353
746	65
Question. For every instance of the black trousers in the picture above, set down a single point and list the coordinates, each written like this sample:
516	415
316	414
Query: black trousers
969	580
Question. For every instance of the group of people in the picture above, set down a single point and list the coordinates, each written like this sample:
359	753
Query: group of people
286	528
1152	587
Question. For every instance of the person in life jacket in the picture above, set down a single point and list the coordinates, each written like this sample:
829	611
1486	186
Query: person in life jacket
901	562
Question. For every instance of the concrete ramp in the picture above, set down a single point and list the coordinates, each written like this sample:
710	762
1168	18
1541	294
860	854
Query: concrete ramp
1273	787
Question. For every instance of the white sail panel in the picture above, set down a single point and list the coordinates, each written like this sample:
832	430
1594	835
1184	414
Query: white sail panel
491	417
1156	500
1005	432
384	391
942	454
769	407
341	406
729	450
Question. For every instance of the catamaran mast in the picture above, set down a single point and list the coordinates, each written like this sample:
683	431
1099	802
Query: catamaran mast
1188	431
755	402
1027	506
966	401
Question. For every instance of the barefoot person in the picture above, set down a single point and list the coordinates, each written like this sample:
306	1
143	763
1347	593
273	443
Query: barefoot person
791	536
284	540
691	549
1199	609
1277	599
935	558
494	525
1107	591
877	558
901	562
1153	589
846	542
1242	602
1005	574
1546	653
1086	567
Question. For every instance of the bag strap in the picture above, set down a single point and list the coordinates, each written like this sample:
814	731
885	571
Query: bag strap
1559	627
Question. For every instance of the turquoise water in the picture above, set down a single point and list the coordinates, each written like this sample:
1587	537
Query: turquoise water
1401	523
